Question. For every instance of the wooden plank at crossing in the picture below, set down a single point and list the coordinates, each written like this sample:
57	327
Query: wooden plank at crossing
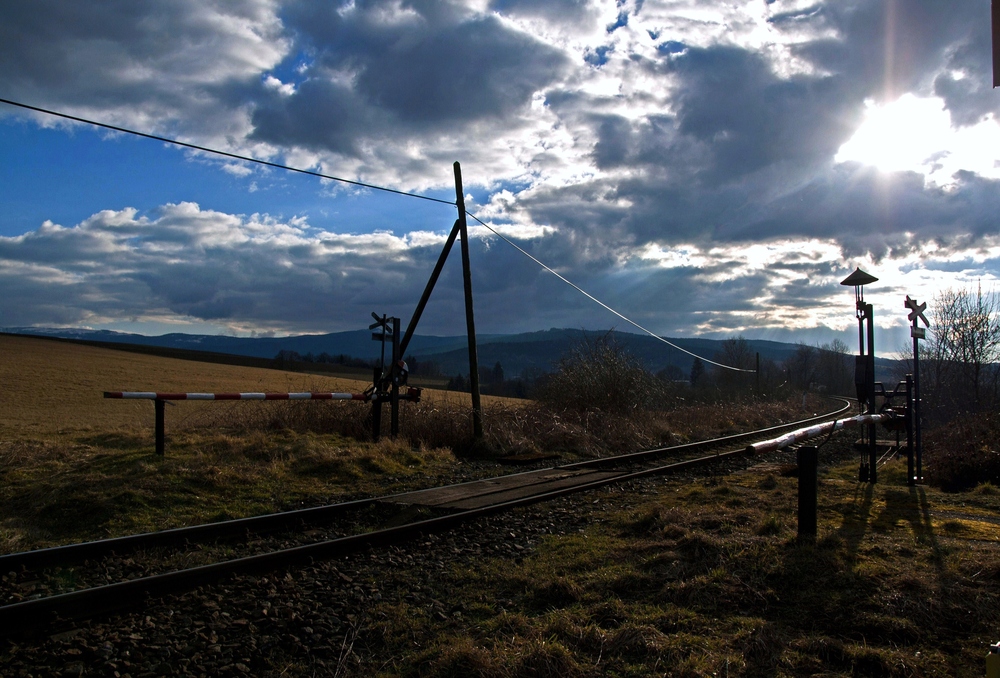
498	490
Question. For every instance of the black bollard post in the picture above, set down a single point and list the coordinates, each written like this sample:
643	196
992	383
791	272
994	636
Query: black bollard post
160	442
808	458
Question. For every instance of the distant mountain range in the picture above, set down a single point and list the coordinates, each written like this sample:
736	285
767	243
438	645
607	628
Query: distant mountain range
518	354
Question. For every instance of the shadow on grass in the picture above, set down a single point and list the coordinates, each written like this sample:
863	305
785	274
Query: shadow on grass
910	506
856	518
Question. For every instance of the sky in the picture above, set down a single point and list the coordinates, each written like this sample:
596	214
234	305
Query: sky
704	168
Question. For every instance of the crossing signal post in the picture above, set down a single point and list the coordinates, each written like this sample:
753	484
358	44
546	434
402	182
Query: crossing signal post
915	475
386	383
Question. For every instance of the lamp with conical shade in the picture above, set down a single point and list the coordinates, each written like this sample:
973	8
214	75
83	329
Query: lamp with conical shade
858	280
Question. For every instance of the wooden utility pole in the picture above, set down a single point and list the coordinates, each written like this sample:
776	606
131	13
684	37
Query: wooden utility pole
470	322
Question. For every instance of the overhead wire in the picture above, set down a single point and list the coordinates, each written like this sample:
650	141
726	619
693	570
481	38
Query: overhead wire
226	154
601	303
268	163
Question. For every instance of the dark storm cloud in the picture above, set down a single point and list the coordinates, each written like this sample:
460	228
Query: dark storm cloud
321	114
460	72
428	69
167	64
966	85
891	47
731	101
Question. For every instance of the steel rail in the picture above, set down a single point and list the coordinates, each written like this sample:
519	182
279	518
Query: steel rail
27	616
74	553
699	444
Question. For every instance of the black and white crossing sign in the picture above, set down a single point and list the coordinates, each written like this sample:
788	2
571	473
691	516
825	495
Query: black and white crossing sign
916	311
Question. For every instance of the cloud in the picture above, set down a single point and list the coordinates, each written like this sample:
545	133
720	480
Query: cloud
399	88
173	66
643	149
203	264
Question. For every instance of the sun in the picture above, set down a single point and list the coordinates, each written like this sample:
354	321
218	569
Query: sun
915	134
907	134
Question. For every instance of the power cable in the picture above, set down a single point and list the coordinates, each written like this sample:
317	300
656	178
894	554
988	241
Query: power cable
226	154
601	303
362	184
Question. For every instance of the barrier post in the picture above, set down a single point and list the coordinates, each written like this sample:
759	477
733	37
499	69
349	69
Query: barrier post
808	459
158	404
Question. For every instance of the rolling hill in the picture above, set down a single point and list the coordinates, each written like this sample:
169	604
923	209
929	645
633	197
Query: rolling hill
519	354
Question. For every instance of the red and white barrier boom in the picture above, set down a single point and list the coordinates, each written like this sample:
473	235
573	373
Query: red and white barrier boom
308	395
412	394
802	434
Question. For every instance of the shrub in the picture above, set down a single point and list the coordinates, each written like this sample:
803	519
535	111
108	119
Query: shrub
964	453
603	376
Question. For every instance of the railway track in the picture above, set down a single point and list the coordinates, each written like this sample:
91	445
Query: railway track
49	588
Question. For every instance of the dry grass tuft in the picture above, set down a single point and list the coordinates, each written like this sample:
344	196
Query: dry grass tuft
464	659
545	659
99	485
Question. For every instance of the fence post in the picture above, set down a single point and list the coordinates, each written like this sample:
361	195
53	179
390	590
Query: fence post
808	458
158	404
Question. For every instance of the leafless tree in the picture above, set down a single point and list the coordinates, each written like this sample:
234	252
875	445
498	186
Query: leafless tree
834	368
961	357
801	367
602	375
736	352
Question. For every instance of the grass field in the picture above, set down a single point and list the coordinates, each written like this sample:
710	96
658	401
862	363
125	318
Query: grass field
76	466
695	580
708	579
53	387
57	388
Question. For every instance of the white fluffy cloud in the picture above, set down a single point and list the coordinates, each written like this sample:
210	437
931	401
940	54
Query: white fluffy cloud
706	149
257	273
185	261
